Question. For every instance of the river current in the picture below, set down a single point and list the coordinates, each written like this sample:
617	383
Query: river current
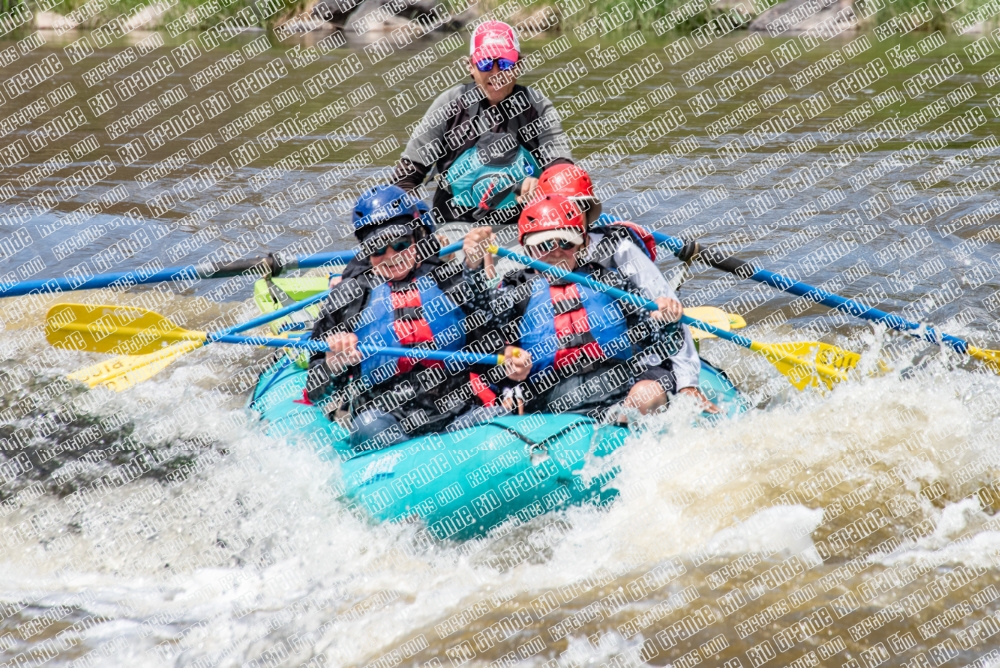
855	527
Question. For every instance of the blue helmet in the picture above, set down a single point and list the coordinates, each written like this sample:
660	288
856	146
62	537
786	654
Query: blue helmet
425	215
380	205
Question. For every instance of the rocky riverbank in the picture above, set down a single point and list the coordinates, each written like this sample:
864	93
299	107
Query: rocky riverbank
359	18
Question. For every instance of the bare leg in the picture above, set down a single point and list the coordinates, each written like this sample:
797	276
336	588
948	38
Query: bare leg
646	396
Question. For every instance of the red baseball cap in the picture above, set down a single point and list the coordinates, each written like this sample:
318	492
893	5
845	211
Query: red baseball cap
494	39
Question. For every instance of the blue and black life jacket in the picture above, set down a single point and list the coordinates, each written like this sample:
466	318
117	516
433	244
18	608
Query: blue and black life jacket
415	313
572	325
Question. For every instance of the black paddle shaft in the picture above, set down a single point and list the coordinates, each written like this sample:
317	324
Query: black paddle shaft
693	251
262	266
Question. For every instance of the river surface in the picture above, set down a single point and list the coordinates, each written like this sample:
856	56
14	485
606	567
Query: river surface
852	528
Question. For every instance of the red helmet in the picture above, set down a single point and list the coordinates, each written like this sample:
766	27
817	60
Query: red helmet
565	179
551	212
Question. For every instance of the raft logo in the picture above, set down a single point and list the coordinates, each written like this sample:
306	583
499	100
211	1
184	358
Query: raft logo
379	469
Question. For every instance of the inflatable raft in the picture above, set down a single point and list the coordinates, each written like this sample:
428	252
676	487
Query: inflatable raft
460	484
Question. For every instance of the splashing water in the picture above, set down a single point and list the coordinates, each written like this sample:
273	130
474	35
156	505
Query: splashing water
172	531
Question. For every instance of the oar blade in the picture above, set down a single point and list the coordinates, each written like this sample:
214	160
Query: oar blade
711	315
141	373
828	355
92	374
809	363
990	357
136	368
110	329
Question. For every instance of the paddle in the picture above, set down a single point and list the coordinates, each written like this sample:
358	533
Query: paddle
719	260
790	360
135	366
124	371
713	316
110	329
268	265
143	367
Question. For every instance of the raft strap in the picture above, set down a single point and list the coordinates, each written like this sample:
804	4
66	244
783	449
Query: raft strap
540	445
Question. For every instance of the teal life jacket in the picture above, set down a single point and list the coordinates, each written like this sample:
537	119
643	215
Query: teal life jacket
487	175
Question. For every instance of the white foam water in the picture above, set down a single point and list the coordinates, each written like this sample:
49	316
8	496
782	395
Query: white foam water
239	551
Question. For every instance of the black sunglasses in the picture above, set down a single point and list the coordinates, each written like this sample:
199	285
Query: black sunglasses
544	247
486	64
399	245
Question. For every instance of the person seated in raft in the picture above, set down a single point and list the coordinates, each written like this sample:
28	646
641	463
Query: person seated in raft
588	351
631	250
396	292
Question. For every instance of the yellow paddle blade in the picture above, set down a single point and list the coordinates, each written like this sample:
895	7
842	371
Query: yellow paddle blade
139	374
803	363
710	315
96	373
991	357
118	330
124	371
807	363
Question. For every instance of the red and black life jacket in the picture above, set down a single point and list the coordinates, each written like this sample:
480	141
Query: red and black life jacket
573	335
409	324
572	325
412	329
396	316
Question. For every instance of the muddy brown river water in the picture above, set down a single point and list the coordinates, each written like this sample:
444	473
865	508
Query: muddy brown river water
855	528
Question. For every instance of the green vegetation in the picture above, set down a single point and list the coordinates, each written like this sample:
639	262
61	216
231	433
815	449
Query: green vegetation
656	17
909	12
198	15
684	16
653	17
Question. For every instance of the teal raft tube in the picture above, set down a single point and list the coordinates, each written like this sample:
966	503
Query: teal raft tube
462	484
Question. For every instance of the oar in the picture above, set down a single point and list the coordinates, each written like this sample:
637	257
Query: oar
719	260
143	367
124	371
114	329
713	316
800	371
139	367
268	265
823	353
